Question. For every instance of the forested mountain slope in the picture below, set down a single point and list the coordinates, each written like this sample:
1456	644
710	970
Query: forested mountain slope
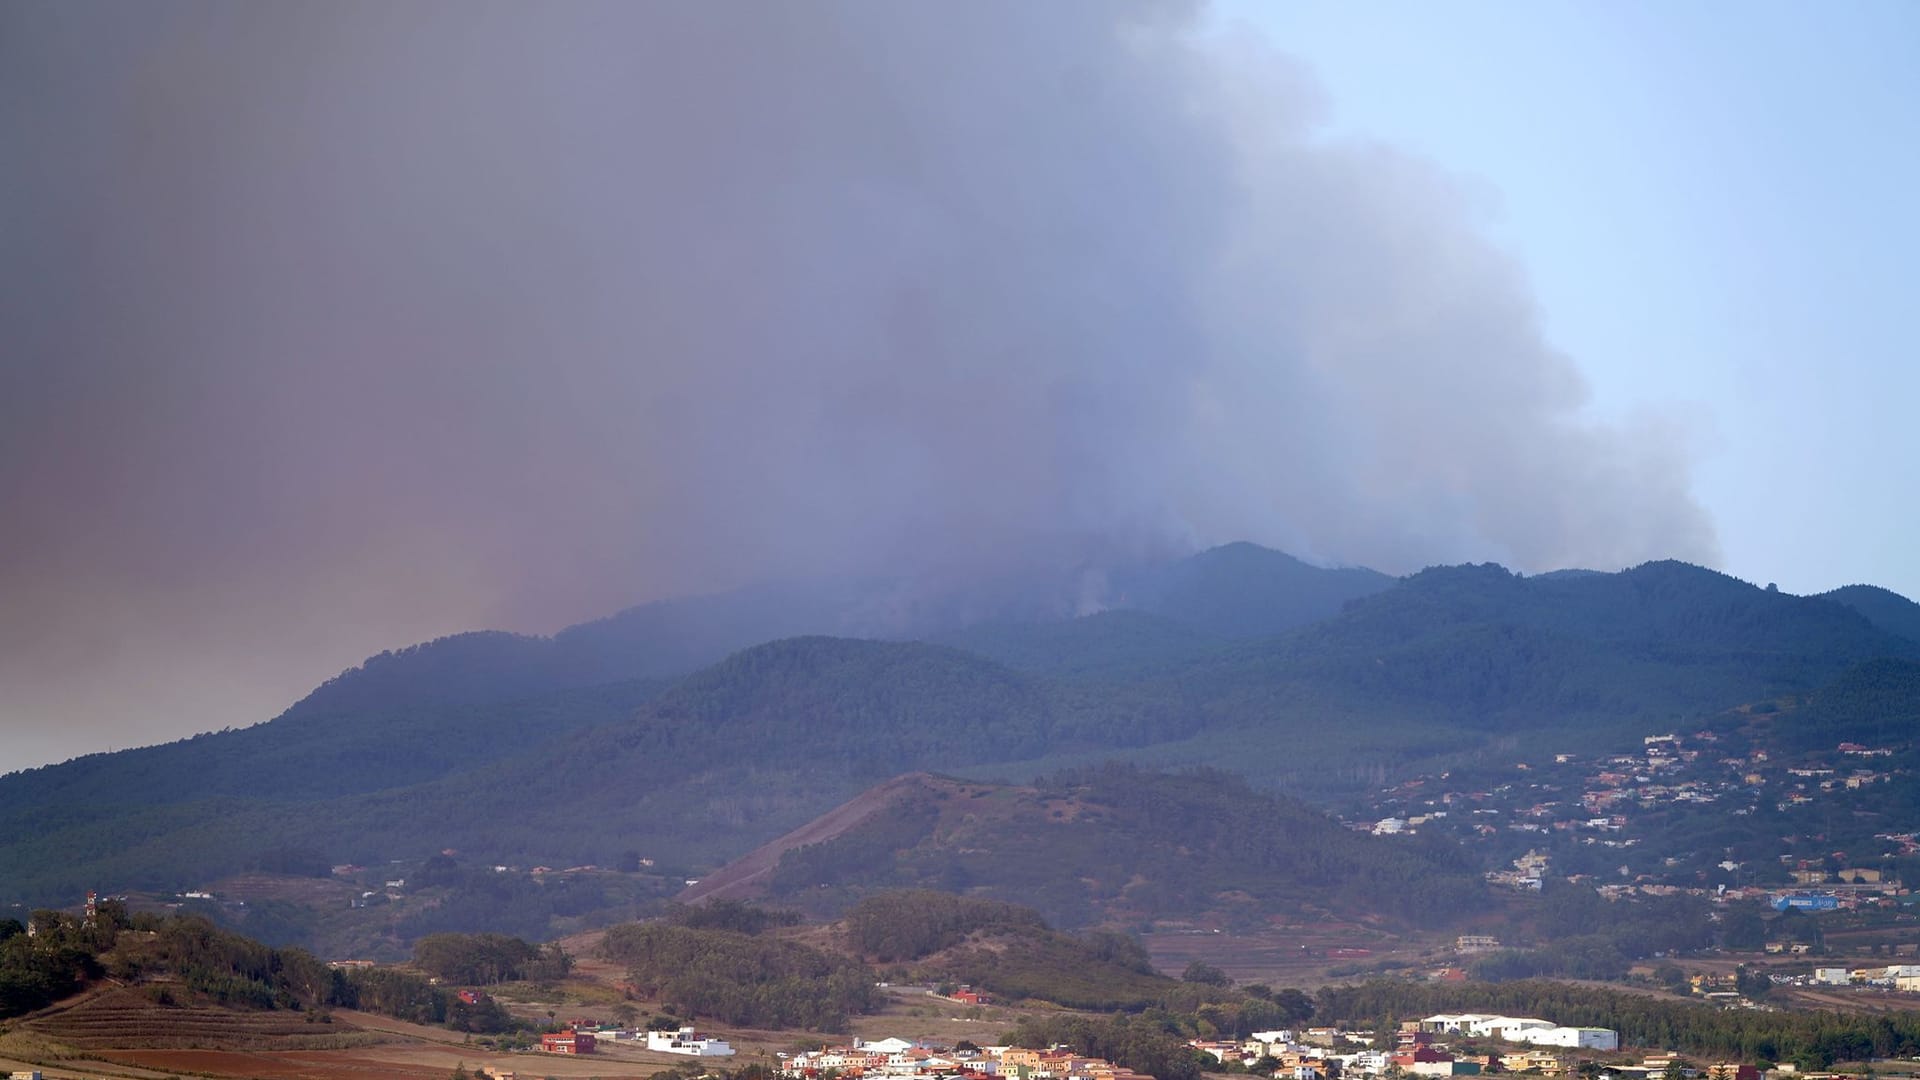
1885	608
1110	645
1245	590
1484	648
419	752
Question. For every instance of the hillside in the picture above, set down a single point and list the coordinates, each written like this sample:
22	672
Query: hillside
1459	665
1481	644
1110	645
1462	660
750	747
1238	590
1006	949
1245	590
1877	703
1884	608
1121	846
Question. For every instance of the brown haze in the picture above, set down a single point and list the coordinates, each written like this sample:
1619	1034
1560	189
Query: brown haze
329	327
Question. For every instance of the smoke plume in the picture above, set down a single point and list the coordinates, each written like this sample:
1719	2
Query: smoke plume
330	327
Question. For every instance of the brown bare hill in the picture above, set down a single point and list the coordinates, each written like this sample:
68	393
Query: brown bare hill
746	878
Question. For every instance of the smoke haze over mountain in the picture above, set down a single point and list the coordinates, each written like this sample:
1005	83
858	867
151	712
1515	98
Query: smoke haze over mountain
336	326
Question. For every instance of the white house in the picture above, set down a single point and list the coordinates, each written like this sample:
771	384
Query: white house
687	1041
1371	1062
1442	1023
1522	1029
1284	1036
1581	1038
883	1046
1509	1028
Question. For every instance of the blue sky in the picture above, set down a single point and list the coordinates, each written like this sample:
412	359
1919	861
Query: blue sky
1718	205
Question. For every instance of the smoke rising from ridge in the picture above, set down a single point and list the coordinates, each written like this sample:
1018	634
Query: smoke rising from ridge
335	327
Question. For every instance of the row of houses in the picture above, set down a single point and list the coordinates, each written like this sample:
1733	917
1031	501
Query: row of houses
902	1059
1522	1029
1330	1054
685	1041
1902	977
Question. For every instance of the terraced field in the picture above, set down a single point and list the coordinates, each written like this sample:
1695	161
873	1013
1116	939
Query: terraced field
126	1017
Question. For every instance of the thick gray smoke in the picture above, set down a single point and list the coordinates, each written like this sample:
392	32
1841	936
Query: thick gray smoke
330	327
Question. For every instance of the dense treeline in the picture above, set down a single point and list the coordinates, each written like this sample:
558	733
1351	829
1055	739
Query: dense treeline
734	915
412	998
1003	948
1877	703
484	959
1010	951
1809	1039
37	971
1590	937
739	978
910	924
64	953
1143	1044
480	900
190	952
1101	971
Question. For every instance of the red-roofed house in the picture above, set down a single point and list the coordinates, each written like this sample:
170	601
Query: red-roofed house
567	1042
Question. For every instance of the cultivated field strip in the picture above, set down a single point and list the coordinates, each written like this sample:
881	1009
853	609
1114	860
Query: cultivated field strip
127	1018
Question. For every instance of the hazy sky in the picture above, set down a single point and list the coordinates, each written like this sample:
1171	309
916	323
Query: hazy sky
333	327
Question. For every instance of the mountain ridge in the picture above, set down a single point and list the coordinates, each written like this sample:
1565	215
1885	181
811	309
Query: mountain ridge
1451	664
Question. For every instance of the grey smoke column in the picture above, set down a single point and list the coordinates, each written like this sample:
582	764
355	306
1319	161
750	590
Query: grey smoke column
333	326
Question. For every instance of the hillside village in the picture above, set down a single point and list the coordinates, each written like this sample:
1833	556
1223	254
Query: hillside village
1432	1046
1795	829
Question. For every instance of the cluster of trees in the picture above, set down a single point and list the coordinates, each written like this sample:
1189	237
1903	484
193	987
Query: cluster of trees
913	923
1142	1043
1590	937
415	999
1093	972
1004	948
1010	951
1211	1009
734	915
1809	1039
485	959
740	978
37	971
65	953
216	965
